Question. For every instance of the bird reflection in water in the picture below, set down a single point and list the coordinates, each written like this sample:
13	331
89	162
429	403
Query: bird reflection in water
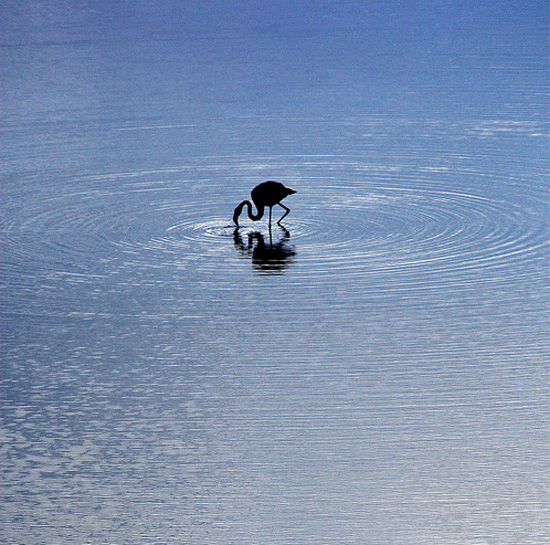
268	257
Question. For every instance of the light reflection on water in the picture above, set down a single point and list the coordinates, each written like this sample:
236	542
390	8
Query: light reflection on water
195	381
373	372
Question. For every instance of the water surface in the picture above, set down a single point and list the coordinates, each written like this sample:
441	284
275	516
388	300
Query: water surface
373	372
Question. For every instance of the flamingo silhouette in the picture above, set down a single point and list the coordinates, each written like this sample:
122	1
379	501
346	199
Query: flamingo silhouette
265	194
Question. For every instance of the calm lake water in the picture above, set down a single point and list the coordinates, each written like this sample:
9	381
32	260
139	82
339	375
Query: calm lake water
374	373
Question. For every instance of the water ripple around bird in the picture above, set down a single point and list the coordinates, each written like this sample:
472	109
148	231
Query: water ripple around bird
336	233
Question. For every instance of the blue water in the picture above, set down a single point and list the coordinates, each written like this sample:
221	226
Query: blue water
374	372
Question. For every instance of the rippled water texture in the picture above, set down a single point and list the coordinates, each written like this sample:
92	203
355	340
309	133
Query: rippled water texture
374	371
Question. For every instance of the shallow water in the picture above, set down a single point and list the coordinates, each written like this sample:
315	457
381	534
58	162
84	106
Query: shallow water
373	372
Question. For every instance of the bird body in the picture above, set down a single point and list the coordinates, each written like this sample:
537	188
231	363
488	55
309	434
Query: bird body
266	194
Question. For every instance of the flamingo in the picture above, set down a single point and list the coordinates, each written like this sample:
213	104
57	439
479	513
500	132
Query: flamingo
266	194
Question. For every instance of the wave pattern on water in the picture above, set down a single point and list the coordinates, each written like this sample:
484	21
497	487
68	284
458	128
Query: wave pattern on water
391	227
396	229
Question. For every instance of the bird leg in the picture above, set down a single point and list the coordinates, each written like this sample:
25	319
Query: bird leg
284	215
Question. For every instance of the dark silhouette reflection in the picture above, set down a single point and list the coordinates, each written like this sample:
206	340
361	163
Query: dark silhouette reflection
267	257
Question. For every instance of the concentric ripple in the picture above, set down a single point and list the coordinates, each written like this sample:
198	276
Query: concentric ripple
404	229
337	233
